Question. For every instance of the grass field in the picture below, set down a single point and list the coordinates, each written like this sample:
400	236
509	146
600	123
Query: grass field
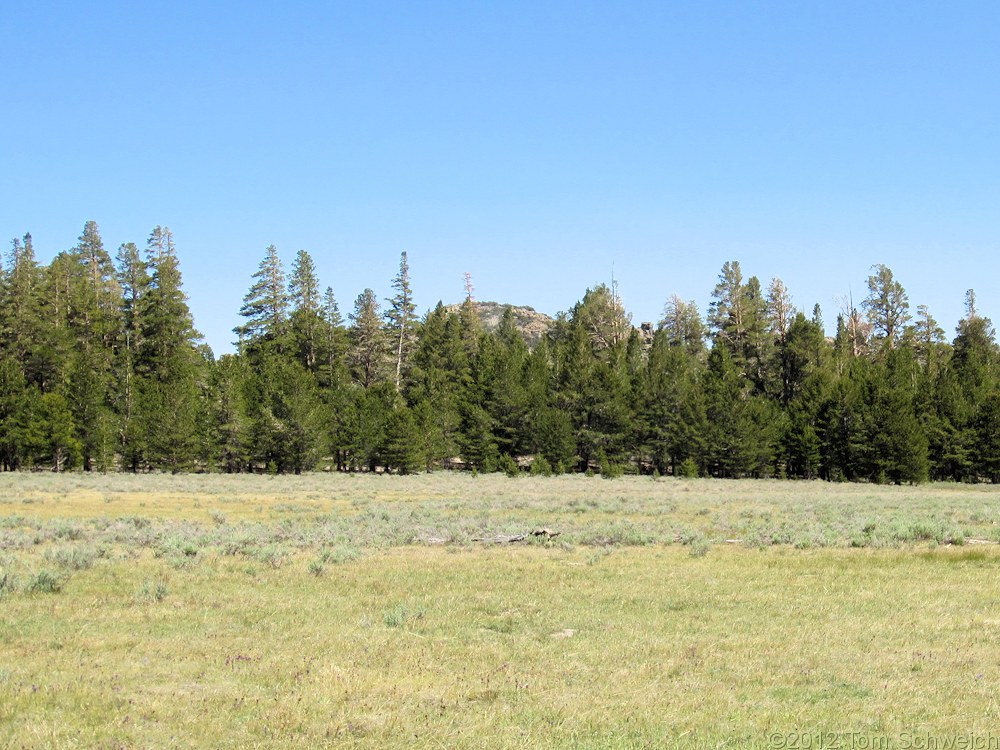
340	611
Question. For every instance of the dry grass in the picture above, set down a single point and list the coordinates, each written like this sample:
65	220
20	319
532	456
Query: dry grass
457	507
167	633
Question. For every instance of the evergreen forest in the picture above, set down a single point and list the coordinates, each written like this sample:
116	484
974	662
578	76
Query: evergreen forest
102	369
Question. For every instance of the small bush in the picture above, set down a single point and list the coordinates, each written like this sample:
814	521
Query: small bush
66	530
400	615
71	558
860	540
238	545
687	535
152	591
273	555
316	568
611	470
699	547
623	533
339	554
540	467
44	582
508	466
688	469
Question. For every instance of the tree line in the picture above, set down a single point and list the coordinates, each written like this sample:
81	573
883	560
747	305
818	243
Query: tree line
101	368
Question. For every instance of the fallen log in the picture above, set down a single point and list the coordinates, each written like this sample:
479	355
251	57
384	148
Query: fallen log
510	538
501	538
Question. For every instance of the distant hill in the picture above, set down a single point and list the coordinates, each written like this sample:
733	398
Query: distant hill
532	324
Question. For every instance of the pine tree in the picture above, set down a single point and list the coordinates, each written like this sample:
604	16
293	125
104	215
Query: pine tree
133	277
804	385
896	443
887	307
842	424
25	333
673	418
856	338
780	311
265	306
229	413
603	317
727	316
60	449
332	349
976	363
758	346
594	384
401	450
168	360
96	307
13	395
88	393
506	397
928	340
370	415
368	349
402	319
950	430
743	428
471	324
683	326
307	319
93	305
975	356
437	385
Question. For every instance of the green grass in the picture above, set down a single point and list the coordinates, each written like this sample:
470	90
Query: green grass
372	621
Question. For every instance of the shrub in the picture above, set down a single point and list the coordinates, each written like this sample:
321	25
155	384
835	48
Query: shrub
611	470
508	465
273	555
339	554
400	615
152	591
67	530
540	467
687	535
699	547
71	558
622	532
44	582
688	469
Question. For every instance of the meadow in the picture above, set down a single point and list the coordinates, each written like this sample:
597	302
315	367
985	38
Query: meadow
377	611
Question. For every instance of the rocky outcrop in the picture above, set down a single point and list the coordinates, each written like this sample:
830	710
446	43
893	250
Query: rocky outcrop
532	324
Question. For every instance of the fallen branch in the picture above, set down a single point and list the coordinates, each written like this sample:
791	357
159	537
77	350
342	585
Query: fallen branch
501	538
510	538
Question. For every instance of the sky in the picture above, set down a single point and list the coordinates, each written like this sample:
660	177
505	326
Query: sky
543	147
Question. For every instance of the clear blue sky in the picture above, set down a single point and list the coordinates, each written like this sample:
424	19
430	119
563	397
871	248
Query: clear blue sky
533	144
